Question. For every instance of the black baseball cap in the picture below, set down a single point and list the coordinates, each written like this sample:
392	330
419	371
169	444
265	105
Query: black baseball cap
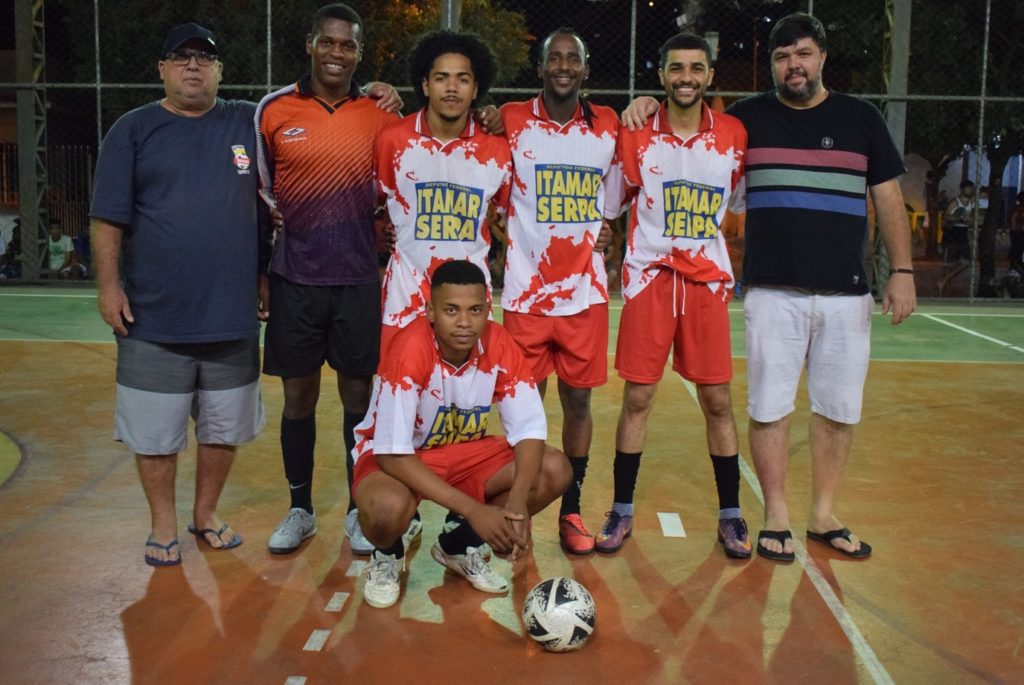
182	34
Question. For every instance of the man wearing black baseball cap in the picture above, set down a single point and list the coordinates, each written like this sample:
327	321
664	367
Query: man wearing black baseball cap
186	33
175	204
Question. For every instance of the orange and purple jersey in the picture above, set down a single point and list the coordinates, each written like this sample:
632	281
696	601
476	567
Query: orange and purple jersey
316	165
680	190
438	194
420	401
565	182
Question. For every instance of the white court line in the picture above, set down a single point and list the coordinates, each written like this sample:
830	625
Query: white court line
932	317
671	525
337	601
861	647
295	680
317	640
356	567
92	296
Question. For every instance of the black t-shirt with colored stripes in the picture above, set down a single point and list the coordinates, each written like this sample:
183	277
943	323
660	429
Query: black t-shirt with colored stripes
807	175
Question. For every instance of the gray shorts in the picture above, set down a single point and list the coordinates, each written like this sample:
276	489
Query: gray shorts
159	385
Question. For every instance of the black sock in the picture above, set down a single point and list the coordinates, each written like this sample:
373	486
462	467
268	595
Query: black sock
627	465
571	498
397	549
455	540
727	479
349	423
298	439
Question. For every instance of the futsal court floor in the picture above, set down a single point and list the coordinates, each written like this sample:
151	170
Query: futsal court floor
935	484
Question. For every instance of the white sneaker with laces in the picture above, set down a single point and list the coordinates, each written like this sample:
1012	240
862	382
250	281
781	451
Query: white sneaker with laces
412	532
356	540
383	574
298	525
472	566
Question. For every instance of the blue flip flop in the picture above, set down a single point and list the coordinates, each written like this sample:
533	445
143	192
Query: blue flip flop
201	533
167	548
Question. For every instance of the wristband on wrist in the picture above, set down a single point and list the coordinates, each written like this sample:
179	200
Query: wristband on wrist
900	271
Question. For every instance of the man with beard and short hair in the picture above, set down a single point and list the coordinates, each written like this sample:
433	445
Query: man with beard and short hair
813	156
682	170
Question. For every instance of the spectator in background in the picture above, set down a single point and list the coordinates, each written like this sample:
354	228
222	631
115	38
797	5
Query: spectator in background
1016	254
957	220
63	261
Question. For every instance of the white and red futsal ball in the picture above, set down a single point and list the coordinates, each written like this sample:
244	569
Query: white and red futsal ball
559	613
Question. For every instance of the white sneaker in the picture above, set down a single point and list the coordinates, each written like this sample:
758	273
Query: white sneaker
382	586
412	532
298	525
356	540
472	566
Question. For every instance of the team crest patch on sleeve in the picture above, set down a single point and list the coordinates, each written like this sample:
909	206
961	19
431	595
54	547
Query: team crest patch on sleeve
567	194
452	424
241	159
691	209
448	211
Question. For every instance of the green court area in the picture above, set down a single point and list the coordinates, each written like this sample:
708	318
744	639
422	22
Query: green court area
938	331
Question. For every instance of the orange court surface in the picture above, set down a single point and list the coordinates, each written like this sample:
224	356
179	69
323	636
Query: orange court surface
935	484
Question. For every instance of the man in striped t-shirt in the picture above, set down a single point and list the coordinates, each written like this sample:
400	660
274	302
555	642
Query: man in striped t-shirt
813	156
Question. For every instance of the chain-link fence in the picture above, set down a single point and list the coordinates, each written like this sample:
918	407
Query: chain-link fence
949	76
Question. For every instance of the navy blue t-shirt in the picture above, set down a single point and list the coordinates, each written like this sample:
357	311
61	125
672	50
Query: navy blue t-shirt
185	191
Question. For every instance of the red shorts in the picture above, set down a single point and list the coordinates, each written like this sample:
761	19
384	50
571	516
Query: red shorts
466	466
574	347
674	311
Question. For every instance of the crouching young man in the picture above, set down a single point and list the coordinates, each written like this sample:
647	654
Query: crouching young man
426	438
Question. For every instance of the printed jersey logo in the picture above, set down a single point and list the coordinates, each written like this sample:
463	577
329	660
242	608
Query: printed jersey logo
447	211
452	425
292	132
241	160
567	194
827	143
690	209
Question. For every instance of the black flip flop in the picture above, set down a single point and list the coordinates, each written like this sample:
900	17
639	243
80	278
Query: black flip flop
827	537
779	536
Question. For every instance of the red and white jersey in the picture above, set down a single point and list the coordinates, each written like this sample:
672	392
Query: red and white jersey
437	197
565	181
421	401
680	190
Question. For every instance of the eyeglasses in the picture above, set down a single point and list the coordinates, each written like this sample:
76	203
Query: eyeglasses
183	57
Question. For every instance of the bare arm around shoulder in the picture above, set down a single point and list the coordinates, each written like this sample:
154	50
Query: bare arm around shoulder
111	299
491	523
900	296
639	111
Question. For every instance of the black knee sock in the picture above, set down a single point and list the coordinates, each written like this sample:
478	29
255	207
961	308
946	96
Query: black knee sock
727	479
349	423
627	465
397	549
571	498
458	535
298	439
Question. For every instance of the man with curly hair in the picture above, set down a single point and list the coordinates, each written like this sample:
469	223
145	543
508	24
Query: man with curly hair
439	174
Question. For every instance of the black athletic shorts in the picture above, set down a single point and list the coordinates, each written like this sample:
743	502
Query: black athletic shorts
312	323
